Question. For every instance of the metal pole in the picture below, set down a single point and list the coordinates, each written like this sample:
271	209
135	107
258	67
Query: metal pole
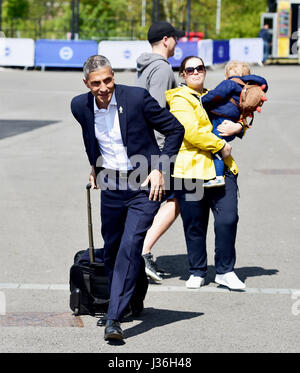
157	11
132	28
2	36
188	18
153	10
77	21
73	20
143	16
0	15
298	35
218	21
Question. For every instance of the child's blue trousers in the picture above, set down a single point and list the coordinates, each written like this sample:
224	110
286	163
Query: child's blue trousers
219	163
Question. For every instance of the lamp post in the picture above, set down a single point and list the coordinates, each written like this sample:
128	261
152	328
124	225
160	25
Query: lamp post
0	15
75	19
188	18
218	20
143	16
155	10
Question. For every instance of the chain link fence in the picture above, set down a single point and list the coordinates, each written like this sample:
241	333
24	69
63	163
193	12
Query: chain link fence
110	29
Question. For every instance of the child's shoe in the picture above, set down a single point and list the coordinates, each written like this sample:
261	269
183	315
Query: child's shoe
218	181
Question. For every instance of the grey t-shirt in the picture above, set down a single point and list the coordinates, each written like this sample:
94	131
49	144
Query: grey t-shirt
155	74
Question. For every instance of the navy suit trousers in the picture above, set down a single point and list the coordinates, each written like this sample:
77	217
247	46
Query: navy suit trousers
126	215
195	215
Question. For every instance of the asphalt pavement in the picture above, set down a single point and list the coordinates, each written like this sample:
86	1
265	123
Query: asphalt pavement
43	173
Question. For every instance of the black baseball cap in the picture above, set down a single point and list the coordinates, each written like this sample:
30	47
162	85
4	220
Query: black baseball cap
160	29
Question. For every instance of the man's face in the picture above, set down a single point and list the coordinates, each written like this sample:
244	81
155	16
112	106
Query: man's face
171	42
101	83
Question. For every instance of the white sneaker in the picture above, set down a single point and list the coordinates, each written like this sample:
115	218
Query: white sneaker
194	282
230	280
218	181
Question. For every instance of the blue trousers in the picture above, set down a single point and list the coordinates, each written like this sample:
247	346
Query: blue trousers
195	214
219	163
126	215
266	50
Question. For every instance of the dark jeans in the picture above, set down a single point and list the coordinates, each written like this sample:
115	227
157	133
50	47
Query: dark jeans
266	50
223	203
126	215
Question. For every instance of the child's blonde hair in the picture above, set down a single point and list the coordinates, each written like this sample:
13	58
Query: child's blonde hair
236	68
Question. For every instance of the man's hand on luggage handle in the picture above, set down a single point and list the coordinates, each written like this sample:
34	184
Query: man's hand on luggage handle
92	179
156	180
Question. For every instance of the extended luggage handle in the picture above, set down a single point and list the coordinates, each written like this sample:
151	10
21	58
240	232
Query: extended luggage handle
90	224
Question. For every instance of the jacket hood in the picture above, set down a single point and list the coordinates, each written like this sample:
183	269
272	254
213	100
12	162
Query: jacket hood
145	59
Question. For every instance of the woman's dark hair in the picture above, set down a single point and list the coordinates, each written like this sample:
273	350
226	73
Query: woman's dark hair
184	61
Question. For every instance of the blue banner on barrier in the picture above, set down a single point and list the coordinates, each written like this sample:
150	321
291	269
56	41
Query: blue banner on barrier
220	51
64	53
182	50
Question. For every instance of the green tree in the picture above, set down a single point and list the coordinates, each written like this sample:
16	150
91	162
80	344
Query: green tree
104	18
101	19
17	8
47	8
241	18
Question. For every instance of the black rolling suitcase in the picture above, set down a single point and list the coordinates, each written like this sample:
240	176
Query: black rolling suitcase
88	281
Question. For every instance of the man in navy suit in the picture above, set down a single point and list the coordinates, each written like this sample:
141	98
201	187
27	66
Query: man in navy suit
118	124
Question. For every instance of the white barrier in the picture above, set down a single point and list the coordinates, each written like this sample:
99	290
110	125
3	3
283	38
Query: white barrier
248	50
16	52
205	51
123	54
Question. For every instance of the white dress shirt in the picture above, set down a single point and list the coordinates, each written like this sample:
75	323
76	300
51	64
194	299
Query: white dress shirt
108	134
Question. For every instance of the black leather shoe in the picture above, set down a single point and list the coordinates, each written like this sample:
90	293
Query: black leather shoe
102	320
113	330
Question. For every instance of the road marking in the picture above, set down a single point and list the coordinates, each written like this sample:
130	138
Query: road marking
213	289
157	288
278	171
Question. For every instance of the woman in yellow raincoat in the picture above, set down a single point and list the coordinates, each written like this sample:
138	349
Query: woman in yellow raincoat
194	164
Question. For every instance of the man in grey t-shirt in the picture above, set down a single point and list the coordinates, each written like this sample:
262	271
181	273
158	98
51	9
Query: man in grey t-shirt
156	75
153	69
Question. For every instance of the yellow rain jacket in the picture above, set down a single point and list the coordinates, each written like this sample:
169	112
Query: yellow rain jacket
194	159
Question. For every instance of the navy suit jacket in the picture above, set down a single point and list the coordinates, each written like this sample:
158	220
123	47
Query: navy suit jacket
139	114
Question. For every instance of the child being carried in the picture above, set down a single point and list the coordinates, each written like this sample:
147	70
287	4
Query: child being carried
229	101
